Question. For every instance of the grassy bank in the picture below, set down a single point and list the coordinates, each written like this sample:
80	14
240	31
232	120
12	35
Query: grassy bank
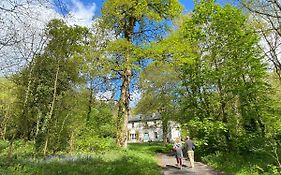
137	159
235	164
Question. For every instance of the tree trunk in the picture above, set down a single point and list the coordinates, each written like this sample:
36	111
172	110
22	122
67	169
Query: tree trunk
46	145
10	153
71	143
223	112
90	103
45	127
49	116
23	127
123	113
38	123
165	131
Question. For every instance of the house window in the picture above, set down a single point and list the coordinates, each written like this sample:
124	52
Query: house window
156	135
146	124
133	125
133	136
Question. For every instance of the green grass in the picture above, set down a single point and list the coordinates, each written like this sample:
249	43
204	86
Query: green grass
236	164
137	159
150	148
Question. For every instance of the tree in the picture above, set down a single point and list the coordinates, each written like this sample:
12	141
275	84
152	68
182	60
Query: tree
55	72
132	22
266	15
224	87
22	36
159	82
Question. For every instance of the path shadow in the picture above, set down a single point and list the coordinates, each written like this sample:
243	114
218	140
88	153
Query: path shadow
171	167
174	170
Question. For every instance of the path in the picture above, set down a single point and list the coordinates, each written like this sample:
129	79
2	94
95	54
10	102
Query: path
168	164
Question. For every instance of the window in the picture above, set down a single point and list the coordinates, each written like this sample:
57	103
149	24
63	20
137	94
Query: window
133	136
156	135
133	125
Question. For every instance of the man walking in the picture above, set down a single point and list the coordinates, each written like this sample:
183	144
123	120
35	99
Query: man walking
190	146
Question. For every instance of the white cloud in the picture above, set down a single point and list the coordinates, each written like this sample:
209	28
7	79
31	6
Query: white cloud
81	14
104	96
24	28
135	98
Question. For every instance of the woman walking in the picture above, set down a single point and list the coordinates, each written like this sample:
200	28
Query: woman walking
178	149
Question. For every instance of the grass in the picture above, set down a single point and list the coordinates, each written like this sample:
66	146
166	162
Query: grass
150	148
236	164
137	159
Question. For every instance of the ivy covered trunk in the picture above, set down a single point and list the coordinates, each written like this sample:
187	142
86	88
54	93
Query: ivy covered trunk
124	111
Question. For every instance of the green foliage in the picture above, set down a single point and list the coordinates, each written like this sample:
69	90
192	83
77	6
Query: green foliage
89	141
208	135
111	162
151	148
242	164
50	76
224	88
7	108
119	14
20	149
208	75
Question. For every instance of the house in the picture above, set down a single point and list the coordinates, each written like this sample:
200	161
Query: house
149	128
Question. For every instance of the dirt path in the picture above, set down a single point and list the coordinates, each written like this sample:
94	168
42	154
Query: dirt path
168	164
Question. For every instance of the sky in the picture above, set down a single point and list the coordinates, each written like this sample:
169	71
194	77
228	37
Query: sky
188	4
85	10
36	17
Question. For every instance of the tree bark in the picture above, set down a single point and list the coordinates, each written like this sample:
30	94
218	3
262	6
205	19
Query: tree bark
165	131
46	146
124	110
23	129
45	127
90	103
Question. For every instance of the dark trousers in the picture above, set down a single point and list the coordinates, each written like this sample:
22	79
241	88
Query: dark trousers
179	161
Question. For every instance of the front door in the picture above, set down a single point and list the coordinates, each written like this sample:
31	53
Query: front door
146	137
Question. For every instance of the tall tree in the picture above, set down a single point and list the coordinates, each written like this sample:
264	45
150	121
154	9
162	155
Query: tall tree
55	71
224	85
158	84
134	22
267	17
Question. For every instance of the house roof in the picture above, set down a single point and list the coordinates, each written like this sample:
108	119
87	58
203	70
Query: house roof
144	118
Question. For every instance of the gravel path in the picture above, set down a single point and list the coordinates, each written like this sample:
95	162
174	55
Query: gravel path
168	164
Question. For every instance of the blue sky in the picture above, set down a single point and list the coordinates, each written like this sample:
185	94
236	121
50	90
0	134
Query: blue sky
188	4
83	11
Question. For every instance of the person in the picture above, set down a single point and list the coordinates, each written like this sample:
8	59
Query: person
190	147
178	150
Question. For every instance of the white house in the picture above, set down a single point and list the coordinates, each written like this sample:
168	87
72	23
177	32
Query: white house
149	128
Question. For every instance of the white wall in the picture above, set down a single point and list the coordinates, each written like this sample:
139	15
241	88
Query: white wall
151	128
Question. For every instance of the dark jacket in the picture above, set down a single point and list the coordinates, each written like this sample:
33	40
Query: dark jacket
190	145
